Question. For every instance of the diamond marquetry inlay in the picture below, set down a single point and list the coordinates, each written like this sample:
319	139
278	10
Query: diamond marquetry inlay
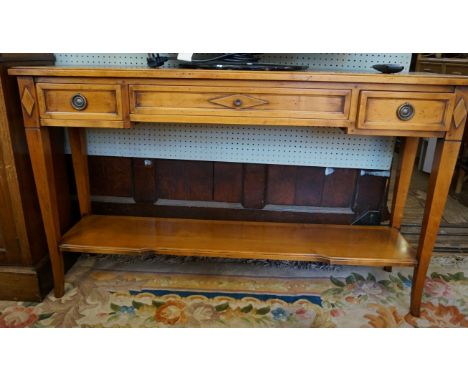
459	114
238	101
27	101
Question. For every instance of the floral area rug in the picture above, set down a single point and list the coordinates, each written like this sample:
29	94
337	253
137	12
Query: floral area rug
113	291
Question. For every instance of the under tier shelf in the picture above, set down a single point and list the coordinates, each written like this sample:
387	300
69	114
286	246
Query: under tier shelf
334	244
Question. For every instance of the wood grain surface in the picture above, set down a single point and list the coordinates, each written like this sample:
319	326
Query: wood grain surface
335	244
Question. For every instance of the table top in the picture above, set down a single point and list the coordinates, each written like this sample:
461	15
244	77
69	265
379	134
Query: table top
308	75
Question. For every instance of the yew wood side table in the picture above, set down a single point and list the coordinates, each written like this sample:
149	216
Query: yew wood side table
406	105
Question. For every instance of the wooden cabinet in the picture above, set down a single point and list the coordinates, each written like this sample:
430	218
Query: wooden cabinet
9	245
428	67
436	63
457	69
24	265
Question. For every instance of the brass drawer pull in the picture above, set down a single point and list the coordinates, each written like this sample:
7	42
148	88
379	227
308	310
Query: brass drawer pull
79	102
405	112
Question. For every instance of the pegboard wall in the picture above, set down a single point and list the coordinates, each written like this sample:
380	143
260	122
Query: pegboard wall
325	147
319	61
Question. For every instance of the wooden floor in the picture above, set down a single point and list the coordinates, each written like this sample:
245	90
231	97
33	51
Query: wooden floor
453	234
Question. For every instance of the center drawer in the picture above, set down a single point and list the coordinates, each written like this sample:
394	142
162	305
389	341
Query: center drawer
257	104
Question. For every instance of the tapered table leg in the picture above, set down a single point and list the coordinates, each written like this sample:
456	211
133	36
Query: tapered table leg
40	150
41	154
439	184
77	138
404	174
403	180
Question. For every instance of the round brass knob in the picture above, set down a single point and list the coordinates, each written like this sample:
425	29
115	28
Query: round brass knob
405	112
79	102
237	102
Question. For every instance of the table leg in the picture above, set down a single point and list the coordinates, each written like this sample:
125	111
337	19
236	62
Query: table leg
77	138
40	151
439	184
402	182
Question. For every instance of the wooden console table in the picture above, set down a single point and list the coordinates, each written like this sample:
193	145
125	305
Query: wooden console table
409	105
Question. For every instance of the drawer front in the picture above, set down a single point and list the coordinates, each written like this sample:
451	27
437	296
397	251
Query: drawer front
405	111
430	68
240	102
460	70
79	101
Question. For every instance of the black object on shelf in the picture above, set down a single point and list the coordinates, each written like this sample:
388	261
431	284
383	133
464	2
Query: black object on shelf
155	60
236	61
219	65
388	68
227	61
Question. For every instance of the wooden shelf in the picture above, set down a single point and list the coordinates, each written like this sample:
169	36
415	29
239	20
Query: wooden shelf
334	244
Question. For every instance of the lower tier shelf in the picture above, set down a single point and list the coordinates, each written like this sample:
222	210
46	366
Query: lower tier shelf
334	244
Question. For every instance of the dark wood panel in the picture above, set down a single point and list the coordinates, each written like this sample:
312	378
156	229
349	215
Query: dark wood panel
281	184
29	283
7	226
185	180
111	176
370	193
251	185
198	178
338	189
295	185
254	187
309	185
33	59
144	180
321	216
171	184
23	284
227	182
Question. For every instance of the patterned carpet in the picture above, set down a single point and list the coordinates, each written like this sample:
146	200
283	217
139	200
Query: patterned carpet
168	291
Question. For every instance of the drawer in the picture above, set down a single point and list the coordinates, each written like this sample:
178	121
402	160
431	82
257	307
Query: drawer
430	68
460	70
405	110
256	104
79	101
